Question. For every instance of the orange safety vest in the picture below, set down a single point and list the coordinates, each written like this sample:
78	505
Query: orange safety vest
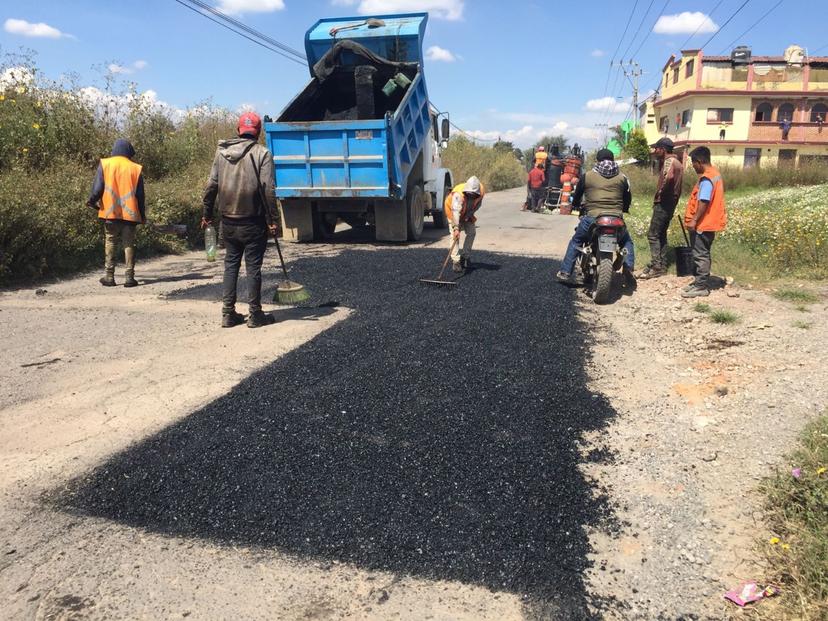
541	157
715	218
458	189
119	202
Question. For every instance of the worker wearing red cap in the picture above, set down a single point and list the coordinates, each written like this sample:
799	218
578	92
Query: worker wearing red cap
241	168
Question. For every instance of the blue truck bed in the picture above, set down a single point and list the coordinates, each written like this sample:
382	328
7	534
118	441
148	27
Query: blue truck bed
370	158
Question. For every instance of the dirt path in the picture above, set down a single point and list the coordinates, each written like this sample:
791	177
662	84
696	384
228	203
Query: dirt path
89	373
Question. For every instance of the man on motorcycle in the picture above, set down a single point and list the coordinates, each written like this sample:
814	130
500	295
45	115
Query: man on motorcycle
604	190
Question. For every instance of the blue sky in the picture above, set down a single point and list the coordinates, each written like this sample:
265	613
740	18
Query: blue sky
510	69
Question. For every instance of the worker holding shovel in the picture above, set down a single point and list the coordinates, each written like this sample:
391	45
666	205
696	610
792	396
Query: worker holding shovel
460	206
240	169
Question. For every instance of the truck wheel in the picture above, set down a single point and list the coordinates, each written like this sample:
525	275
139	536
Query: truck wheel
416	212
603	284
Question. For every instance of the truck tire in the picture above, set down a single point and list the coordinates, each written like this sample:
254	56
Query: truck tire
603	282
416	212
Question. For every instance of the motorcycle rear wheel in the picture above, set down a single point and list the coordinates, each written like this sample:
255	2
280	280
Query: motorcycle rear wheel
603	284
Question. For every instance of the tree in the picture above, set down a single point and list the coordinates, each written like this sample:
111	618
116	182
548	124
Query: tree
637	146
503	146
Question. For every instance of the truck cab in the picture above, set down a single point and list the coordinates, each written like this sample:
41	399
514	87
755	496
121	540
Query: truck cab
360	143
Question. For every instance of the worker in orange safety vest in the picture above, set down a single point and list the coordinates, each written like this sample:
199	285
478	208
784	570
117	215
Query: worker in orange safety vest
460	207
118	196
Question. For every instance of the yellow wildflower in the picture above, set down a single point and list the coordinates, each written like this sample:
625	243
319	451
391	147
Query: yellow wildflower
2	97
786	546
821	470
25	149
35	126
774	540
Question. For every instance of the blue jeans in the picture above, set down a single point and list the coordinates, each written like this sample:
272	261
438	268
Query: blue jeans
582	236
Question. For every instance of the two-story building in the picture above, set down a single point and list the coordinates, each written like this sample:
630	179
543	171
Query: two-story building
750	110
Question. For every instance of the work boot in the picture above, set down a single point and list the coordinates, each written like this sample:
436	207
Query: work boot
231	319
457	267
129	280
260	319
108	280
688	287
652	271
562	276
465	263
629	277
696	292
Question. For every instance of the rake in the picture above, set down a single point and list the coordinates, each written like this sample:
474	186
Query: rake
439	282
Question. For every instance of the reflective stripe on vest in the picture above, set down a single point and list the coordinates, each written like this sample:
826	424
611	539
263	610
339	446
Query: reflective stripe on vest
121	177
715	218
458	189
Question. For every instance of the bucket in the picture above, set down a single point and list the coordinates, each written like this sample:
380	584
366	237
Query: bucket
684	261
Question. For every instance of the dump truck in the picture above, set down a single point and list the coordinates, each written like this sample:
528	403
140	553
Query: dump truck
360	142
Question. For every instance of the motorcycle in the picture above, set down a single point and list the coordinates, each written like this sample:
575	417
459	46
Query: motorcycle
602	256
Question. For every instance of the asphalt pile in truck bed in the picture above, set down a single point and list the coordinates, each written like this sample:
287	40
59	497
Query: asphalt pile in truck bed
433	432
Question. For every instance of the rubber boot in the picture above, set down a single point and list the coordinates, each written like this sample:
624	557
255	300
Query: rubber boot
129	279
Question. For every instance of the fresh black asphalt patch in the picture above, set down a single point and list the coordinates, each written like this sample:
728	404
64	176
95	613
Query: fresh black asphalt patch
432	433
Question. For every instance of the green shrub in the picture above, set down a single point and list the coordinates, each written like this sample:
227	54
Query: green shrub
497	170
802	296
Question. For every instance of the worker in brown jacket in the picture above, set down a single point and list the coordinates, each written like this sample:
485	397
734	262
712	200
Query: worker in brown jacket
241	189
668	192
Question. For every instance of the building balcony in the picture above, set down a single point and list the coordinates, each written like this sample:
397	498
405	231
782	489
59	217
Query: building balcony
769	131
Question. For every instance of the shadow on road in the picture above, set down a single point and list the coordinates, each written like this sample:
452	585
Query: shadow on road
433	433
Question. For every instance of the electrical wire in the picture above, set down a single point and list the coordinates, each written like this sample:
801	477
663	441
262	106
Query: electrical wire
696	31
756	23
722	27
256	33
650	31
241	34
637	30
618	47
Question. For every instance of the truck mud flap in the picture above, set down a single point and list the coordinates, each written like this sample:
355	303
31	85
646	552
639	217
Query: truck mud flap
391	219
297	221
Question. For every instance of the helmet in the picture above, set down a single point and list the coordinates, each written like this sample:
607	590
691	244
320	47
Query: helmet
541	148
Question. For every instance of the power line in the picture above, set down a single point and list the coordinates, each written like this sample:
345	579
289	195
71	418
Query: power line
618	47
701	23
241	34
819	49
637	30
722	27
756	23
650	31
252	31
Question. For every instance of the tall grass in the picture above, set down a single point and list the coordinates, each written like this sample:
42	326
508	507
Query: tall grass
51	138
796	503
497	170
737	181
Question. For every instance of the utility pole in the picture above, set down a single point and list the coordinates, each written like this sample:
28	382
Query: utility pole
632	71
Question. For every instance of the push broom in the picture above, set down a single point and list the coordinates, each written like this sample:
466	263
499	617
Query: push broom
288	291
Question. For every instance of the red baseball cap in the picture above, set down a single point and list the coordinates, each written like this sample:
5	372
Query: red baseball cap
250	123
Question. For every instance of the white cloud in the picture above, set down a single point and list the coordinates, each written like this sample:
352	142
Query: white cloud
121	69
437	53
604	104
250	6
597	53
528	135
16	76
30	29
685	23
441	9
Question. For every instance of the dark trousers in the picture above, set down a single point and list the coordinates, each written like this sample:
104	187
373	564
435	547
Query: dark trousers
538	195
702	243
657	235
250	241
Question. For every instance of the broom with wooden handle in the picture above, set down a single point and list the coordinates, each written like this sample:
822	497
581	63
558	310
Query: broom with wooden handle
287	291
